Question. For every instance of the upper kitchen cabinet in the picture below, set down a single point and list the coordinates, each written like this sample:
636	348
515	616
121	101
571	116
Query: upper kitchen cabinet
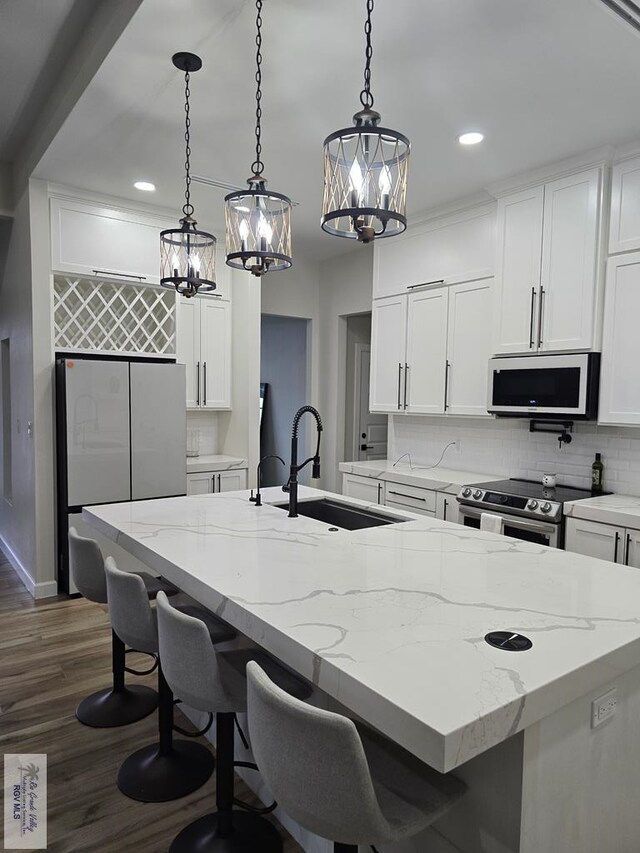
547	266
624	229
91	240
388	350
426	360
203	329
451	249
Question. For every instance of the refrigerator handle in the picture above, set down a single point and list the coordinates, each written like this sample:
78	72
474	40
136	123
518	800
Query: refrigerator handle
198	384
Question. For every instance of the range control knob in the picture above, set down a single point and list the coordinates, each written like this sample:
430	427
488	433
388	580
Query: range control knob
477	494
466	492
532	505
546	507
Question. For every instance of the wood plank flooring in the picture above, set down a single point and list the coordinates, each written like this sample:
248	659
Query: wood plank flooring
53	653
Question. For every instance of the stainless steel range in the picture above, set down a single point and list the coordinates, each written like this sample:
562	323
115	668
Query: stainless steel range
531	511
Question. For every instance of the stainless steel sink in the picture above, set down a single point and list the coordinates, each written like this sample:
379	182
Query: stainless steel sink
342	515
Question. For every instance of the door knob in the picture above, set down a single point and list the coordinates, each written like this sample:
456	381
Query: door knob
366	447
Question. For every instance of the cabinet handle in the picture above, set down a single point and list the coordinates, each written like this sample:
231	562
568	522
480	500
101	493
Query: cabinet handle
406	374
198	384
204	383
379	489
444	514
402	495
615	548
120	274
447	365
399	382
531	312
540	316
626	549
425	283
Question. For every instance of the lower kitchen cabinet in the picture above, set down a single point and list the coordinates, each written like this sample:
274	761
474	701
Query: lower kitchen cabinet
410	499
604	541
363	488
212	482
447	507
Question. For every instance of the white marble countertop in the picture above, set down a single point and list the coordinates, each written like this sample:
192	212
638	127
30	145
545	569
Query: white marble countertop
440	479
214	462
609	509
390	620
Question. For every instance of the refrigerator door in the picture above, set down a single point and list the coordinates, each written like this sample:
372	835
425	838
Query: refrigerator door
97	428
158	430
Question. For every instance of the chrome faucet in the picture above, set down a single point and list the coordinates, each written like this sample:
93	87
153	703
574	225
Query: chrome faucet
292	484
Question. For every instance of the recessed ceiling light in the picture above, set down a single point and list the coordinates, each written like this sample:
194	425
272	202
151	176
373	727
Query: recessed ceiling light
145	186
470	138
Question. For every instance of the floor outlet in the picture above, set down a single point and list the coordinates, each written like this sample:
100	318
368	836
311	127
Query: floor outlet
603	708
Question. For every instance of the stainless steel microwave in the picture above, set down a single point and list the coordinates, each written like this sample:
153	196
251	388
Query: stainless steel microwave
545	386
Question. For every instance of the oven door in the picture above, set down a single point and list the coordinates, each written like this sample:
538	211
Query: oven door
527	529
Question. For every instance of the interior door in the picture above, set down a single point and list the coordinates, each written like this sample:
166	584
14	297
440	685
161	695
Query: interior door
427	351
388	350
370	439
215	351
469	347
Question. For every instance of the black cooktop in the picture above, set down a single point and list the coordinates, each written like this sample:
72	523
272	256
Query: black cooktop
533	489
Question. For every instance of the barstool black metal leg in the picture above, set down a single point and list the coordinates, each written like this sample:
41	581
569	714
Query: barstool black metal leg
344	848
118	705
168	769
227	830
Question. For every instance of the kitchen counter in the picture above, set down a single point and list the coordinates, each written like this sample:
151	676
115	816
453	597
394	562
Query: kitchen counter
439	479
214	462
390	620
623	510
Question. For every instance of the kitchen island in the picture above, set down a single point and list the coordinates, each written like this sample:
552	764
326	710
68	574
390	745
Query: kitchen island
390	622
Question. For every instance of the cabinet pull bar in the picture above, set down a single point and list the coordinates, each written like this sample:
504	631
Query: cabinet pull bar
399	381
121	274
540	316
198	384
379	488
425	283
204	383
531	312
444	514
406	375
615	549
626	549
402	495
447	365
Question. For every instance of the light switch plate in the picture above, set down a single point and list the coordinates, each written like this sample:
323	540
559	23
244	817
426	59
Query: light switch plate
603	708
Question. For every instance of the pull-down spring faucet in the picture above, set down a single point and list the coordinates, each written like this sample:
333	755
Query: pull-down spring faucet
292	484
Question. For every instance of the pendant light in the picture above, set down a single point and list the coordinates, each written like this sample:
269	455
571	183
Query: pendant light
258	220
365	171
187	255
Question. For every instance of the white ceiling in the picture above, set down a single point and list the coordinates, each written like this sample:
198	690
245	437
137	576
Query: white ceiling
543	79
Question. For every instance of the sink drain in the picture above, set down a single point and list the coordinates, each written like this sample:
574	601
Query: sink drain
508	641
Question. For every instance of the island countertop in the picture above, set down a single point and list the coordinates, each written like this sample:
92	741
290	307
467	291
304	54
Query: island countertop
390	620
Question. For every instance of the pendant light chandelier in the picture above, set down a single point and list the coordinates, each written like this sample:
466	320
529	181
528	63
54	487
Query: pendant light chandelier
258	221
365	171
187	255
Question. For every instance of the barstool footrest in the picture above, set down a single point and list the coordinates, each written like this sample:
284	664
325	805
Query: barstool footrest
110	708
251	833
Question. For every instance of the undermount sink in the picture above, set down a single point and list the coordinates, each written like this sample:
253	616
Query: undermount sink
342	515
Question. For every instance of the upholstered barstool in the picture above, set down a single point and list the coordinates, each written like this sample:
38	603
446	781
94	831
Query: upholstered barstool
350	788
214	681
119	704
170	768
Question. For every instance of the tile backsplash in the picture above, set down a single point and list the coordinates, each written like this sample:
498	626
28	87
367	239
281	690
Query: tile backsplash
505	447
206	424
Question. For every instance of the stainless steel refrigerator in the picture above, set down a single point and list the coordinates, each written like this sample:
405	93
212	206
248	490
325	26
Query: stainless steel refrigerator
120	436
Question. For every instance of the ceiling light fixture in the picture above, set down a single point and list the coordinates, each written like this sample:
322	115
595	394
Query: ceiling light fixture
365	171
258	221
187	255
145	186
471	138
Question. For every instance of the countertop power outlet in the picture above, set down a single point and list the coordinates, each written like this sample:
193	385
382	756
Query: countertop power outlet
603	708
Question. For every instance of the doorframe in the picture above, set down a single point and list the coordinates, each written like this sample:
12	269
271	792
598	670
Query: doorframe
357	383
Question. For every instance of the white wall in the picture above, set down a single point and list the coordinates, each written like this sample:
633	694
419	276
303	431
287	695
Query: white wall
507	448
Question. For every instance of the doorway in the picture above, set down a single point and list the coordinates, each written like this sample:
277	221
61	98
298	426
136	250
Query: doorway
365	433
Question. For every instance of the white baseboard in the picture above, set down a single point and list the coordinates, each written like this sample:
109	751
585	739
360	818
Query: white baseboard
44	589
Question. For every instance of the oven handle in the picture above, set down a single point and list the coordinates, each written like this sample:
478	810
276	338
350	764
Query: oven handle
511	520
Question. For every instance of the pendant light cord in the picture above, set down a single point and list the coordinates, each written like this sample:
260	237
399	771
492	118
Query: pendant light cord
366	98
258	166
187	207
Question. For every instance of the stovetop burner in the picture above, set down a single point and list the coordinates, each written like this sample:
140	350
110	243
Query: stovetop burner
535	490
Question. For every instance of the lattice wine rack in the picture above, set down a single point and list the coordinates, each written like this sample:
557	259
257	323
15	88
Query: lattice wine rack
113	317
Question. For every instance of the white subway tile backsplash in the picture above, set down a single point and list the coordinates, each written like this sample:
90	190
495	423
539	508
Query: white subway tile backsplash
507	448
206	424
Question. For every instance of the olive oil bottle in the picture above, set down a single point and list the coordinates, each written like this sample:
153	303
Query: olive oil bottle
597	473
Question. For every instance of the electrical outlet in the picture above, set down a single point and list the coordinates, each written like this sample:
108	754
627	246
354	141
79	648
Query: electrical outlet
603	708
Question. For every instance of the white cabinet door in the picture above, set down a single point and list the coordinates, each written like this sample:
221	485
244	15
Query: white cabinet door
93	240
624	230
388	350
469	347
200	484
231	481
188	345
363	488
593	539
425	377
447	507
566	308
631	555
519	246
215	353
619	386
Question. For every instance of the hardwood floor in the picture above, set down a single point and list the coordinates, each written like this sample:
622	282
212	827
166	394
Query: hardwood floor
53	653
